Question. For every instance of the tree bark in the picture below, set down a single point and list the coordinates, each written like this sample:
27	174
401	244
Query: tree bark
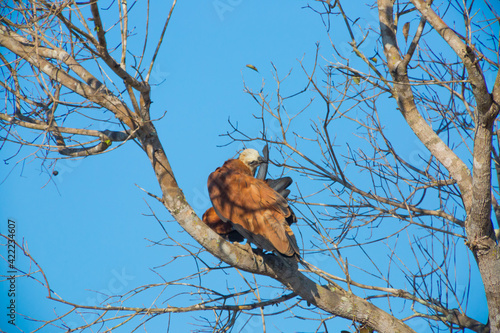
404	96
475	190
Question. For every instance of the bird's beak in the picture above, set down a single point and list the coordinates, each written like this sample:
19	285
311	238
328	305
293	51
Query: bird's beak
261	159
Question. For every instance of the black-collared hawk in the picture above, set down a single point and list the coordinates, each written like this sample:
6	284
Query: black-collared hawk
226	230
254	209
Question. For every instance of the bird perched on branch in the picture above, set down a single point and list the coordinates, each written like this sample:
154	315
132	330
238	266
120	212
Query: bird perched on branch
254	209
226	230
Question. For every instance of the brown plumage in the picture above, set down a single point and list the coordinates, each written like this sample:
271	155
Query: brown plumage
225	229
254	209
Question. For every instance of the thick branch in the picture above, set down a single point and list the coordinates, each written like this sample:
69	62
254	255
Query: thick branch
404	96
476	191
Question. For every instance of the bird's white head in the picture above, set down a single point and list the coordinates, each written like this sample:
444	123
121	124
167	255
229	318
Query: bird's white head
251	158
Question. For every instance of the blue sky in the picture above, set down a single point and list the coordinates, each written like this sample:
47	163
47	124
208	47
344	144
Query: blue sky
88	228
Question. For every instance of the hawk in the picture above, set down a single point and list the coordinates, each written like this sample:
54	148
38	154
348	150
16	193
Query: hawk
225	229
254	209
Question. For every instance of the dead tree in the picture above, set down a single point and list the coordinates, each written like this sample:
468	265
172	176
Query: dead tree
62	65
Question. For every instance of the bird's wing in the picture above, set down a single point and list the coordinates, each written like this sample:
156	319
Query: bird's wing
280	185
262	173
255	209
